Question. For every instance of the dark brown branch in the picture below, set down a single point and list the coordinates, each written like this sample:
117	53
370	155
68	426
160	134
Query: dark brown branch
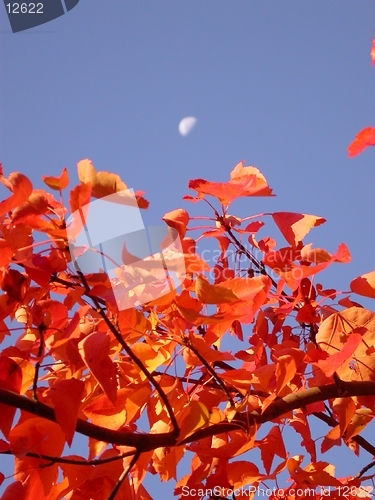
148	442
123	475
365	469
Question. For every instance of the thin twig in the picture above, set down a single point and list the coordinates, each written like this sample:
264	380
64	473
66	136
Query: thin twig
361	441
41	329
132	356
211	371
123	475
62	460
365	469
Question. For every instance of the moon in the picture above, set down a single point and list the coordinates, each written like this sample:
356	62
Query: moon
186	125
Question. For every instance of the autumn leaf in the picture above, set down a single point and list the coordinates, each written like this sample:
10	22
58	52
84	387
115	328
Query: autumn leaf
271	445
294	227
372	53
192	417
213	294
79	197
11	380
335	361
94	350
57	183
364	138
40	436
244	181
114	415
21	188
66	396
364	285
178	219
300	424
104	183
240	473
351	333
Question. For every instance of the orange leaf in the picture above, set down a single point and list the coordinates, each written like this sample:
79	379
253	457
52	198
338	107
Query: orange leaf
79	197
334	336
332	438
192	417
344	409
294	227
213	294
15	491
300	424
11	380
57	183
6	253
66	396
331	364
372	53
94	350
21	188
105	183
244	181
114	415
286	369
241	473
364	285
270	446
40	436
364	138
36	204
178	219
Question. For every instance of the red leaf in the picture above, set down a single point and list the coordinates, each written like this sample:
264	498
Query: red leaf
270	446
36	204
11	380
21	188
57	183
213	294
364	138
6	253
244	181
178	219
39	436
15	491
300	424
364	285
372	53
94	350
331	364
294	227
79	197
66	396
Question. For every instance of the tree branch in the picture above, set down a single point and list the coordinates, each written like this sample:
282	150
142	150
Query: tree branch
133	357
148	442
123	475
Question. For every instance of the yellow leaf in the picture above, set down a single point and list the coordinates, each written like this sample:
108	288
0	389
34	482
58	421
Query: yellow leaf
191	418
213	294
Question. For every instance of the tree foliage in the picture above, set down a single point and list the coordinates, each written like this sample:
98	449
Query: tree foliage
150	383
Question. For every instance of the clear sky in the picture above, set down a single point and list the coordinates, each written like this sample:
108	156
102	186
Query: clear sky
283	85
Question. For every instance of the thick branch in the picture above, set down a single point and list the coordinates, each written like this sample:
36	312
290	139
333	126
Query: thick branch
147	442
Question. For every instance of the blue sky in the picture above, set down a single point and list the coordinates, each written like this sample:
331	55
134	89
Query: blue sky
284	86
